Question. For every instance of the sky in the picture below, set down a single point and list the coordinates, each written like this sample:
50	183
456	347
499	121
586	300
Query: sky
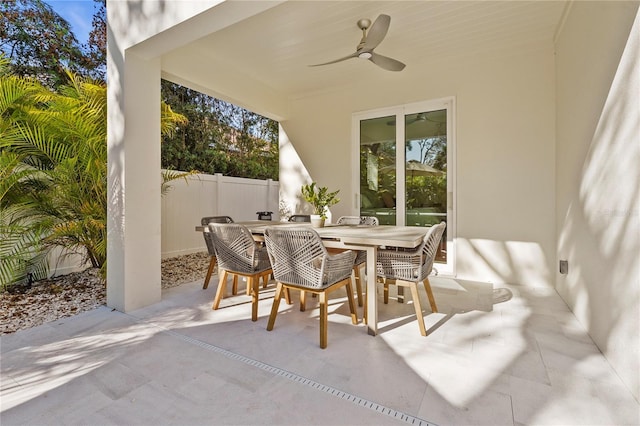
78	13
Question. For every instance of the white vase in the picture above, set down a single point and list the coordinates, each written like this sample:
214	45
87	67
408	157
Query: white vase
317	221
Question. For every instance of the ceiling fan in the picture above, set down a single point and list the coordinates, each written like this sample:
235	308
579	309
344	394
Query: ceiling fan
370	41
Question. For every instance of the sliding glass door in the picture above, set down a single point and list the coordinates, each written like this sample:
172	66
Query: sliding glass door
377	169
405	174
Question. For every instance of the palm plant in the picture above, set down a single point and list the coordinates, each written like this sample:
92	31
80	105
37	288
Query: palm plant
53	175
20	238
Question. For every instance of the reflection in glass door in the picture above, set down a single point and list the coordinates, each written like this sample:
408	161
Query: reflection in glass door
426	171
377	169
405	168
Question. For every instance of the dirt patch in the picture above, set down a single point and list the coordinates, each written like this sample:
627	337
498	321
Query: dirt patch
67	295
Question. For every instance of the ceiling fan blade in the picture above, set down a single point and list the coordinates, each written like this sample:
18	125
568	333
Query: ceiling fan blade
388	64
377	32
353	55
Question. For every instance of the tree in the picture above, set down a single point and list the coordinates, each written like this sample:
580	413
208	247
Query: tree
188	147
96	50
220	137
39	42
53	179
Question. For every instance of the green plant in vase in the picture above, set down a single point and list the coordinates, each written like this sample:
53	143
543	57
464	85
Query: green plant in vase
320	198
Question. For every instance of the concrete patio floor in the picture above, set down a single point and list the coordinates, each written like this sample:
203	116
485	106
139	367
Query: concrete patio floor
509	355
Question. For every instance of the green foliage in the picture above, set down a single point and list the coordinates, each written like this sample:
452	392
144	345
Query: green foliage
171	175
219	137
20	250
53	179
40	44
96	50
54	186
427	191
320	198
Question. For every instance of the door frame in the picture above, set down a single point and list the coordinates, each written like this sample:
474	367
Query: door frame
399	111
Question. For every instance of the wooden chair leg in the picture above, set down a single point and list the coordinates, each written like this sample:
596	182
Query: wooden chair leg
323	319
287	296
432	300
386	292
235	284
418	307
274	307
265	279
254	284
352	304
221	288
303	300
358	278
364	314
212	265
248	288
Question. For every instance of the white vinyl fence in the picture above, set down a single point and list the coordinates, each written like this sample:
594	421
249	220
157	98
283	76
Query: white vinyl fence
211	195
187	202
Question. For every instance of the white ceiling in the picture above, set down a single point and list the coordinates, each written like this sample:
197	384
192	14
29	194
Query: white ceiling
276	46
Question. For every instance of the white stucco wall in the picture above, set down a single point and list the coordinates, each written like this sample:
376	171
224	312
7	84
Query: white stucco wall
527	194
139	33
598	177
505	153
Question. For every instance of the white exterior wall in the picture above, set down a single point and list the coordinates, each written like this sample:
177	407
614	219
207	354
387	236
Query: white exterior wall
138	34
515	218
505	143
598	175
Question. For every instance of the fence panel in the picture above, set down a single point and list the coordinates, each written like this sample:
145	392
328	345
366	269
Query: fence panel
211	195
187	202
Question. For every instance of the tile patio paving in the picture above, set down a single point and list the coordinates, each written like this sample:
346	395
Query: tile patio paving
509	355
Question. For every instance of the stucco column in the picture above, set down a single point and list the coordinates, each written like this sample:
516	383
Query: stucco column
134	209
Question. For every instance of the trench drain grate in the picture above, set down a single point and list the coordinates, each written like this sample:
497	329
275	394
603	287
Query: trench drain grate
398	415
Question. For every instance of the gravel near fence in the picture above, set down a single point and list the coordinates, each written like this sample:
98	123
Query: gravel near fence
68	295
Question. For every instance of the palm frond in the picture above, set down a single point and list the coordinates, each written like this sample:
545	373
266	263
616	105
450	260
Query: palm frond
21	253
171	175
53	181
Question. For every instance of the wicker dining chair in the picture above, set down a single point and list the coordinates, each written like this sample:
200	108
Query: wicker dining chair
301	262
238	254
407	268
300	218
208	239
361	255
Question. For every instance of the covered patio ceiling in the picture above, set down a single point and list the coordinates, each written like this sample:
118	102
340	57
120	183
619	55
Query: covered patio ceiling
273	48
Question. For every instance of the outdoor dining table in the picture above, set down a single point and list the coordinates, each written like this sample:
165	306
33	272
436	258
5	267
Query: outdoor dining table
354	237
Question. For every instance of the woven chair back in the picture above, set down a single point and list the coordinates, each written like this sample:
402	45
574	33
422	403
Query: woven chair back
208	238
358	220
411	265
236	250
298	257
300	218
361	256
430	248
215	219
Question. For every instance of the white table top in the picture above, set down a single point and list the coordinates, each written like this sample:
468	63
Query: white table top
382	235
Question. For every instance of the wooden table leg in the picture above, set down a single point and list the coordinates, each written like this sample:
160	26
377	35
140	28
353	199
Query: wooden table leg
372	299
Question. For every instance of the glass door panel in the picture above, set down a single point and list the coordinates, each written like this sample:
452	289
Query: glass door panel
406	175
425	177
377	169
